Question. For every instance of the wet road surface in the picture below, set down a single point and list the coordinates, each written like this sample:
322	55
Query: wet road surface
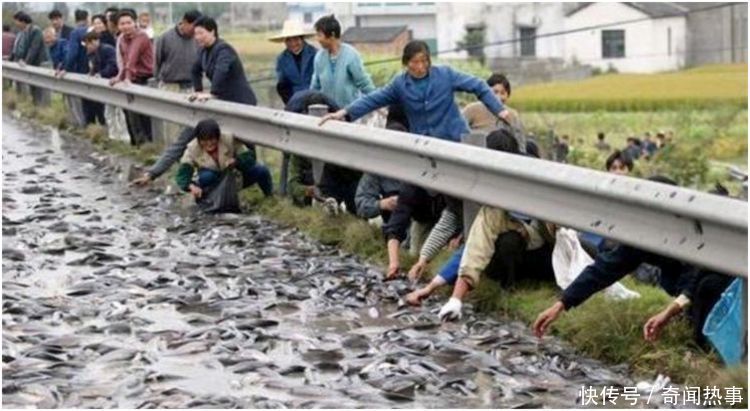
126	298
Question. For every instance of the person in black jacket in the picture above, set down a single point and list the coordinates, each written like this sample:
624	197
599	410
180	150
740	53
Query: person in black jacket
221	64
339	183
58	22
102	63
691	285
34	52
102	57
99	23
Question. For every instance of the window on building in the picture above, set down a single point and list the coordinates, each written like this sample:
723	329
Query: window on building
308	17
528	41
613	44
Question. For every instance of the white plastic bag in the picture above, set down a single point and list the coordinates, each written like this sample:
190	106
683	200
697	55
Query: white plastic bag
569	259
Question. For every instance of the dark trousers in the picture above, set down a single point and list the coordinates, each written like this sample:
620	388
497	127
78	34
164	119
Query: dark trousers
413	203
93	112
707	292
512	263
139	125
256	174
344	191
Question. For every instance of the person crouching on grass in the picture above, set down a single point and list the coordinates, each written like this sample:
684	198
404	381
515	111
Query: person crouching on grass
207	166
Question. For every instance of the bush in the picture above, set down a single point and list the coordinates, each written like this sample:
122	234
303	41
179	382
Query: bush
686	163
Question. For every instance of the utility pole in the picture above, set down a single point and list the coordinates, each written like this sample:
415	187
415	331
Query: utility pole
231	16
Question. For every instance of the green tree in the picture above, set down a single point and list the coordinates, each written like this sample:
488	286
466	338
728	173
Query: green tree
473	41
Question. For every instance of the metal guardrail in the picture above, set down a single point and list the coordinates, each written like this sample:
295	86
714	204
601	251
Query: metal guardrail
704	229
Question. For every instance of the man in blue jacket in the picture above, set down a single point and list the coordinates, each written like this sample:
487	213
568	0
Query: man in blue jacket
294	66
56	47
102	57
76	61
103	63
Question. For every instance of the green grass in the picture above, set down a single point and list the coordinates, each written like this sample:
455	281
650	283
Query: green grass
713	135
700	88
603	329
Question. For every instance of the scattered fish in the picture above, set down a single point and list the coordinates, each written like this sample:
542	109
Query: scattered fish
123	298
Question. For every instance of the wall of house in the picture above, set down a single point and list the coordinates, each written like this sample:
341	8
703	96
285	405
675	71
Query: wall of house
422	26
451	20
393	48
717	36
504	21
257	16
647	48
298	12
418	17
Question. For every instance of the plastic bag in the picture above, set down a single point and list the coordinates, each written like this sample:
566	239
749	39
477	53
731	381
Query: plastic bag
723	326
223	197
569	259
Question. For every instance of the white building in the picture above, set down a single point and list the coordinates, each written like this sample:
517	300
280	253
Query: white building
452	20
522	37
652	40
306	13
525	21
419	17
502	23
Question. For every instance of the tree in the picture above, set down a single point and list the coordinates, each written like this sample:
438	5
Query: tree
473	41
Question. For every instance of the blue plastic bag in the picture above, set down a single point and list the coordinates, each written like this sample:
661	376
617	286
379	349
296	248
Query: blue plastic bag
723	326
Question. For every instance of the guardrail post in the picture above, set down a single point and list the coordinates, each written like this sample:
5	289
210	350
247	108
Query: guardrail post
285	159
471	208
158	126
22	88
42	96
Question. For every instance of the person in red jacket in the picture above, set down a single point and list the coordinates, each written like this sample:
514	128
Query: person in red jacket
137	55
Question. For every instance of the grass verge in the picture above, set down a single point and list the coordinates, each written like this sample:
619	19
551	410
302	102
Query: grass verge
601	328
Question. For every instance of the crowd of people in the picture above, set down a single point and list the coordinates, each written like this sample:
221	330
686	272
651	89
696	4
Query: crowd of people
635	148
503	245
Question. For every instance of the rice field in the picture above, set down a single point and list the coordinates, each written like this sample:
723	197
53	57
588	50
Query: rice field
704	87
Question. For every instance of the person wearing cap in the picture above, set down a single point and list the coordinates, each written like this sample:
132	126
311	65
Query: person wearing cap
294	66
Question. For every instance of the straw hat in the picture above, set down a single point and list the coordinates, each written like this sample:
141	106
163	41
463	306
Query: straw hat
292	28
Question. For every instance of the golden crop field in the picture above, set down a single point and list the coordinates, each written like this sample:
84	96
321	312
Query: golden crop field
703	87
